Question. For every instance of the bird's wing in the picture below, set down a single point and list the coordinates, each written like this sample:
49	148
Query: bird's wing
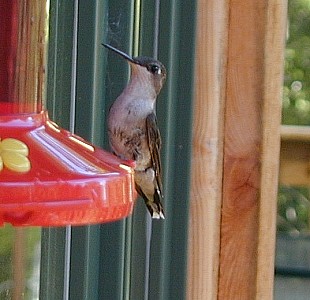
154	143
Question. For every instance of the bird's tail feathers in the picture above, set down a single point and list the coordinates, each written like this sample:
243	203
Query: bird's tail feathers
156	210
153	205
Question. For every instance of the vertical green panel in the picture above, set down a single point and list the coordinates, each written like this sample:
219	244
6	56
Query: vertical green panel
58	105
92	104
89	114
84	271
169	237
60	61
116	237
176	44
140	217
88	121
52	263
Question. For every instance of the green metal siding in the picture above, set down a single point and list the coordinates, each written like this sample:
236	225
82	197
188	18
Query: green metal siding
52	273
108	261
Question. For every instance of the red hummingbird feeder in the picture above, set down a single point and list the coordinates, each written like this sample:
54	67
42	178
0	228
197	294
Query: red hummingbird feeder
48	176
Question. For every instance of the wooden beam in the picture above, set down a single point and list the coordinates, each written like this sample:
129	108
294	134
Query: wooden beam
207	157
251	154
274	31
295	133
243	135
236	149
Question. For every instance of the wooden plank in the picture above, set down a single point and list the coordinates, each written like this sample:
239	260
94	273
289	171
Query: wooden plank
295	161
295	155
19	263
295	133
243	136
250	153
206	182
275	30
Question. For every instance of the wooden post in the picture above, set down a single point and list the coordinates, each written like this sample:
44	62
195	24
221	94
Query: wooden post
233	204
207	158
19	262
275	30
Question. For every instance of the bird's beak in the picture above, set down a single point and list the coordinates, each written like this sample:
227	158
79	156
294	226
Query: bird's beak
119	52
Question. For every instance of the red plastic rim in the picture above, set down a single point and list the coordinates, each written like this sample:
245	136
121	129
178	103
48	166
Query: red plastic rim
69	181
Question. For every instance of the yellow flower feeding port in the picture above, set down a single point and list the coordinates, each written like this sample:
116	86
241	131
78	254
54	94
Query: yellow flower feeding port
13	155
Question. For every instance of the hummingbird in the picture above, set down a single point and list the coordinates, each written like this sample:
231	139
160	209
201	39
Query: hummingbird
133	131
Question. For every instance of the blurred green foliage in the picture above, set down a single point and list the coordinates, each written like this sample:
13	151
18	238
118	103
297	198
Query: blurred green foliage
293	203
296	90
293	210
7	239
6	249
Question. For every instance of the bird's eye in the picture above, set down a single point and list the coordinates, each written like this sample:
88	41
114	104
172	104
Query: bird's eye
155	69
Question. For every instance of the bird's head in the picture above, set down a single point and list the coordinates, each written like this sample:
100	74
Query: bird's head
148	69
